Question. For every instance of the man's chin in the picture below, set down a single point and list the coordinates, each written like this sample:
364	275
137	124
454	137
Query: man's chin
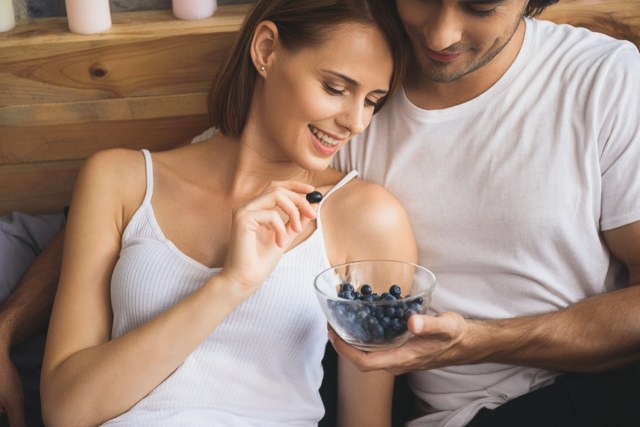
444	76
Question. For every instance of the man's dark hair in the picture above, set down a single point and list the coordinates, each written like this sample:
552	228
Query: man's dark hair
535	7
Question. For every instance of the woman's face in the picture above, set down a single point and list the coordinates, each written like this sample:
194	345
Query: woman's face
312	101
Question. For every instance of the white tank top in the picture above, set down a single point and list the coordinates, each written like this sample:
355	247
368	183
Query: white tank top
260	367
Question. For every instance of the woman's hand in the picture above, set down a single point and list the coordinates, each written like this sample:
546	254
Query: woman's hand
263	229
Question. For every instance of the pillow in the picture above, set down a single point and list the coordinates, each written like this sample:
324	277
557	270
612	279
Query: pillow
22	238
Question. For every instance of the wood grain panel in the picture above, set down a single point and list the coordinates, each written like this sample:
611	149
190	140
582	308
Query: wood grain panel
37	187
64	96
618	18
78	141
111	68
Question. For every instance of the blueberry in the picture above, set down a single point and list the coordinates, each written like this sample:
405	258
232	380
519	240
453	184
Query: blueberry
347	287
314	197
372	323
350	317
396	325
395	290
390	312
358	331
376	330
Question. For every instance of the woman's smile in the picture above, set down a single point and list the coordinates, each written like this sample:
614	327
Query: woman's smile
324	143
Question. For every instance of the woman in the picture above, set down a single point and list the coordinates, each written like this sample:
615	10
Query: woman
186	294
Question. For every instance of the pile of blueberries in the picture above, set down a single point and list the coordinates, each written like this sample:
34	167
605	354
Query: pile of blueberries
373	323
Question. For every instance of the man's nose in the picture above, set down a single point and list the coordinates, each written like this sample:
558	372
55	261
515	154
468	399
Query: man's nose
444	29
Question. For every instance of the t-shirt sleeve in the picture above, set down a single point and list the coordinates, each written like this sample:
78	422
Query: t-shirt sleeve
619	117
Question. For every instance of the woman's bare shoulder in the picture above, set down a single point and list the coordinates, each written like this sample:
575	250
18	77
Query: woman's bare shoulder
365	196
375	221
113	178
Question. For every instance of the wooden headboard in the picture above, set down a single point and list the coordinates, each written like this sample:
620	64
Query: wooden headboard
144	83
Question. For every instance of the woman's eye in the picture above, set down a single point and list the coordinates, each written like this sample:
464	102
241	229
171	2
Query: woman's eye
333	90
375	103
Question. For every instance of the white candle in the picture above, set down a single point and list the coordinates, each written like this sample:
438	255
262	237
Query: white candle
7	15
193	9
88	16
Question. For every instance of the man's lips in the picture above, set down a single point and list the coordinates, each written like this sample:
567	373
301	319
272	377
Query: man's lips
441	56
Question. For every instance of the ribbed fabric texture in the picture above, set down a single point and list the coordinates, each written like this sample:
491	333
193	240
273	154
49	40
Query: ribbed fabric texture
260	367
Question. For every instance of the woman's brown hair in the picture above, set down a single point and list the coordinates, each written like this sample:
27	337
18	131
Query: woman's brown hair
301	24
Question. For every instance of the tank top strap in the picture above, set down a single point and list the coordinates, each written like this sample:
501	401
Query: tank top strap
148	163
345	179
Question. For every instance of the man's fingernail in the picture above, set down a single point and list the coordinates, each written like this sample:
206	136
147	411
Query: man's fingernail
418	323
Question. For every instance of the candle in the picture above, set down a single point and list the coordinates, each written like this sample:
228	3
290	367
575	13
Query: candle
193	9
88	16
7	15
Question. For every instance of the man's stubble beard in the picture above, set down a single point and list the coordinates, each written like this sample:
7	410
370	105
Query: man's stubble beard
437	72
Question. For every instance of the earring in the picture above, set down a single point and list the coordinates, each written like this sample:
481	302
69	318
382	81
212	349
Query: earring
262	69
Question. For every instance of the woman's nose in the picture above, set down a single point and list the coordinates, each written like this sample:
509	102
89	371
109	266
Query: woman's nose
354	118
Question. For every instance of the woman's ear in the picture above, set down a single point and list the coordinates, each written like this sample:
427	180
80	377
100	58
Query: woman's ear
263	44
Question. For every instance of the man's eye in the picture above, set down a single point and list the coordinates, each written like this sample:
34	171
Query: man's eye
333	90
478	11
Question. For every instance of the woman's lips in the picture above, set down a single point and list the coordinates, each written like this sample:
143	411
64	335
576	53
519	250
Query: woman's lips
323	148
441	56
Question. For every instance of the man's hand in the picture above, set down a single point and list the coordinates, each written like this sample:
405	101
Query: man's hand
11	395
433	345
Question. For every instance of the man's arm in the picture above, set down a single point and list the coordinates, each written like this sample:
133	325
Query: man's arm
28	308
25	312
596	334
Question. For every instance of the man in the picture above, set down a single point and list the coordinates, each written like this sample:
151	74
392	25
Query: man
515	146
25	312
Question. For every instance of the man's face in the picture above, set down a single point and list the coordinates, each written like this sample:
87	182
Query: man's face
452	38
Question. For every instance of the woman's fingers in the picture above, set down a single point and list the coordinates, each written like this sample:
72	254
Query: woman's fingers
289	198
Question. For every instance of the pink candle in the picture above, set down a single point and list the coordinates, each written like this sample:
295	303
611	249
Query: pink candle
88	16
193	9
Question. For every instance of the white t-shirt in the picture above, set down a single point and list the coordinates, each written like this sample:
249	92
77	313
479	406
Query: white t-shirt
508	194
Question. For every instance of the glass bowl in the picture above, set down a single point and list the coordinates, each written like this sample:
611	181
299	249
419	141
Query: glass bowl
368	303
